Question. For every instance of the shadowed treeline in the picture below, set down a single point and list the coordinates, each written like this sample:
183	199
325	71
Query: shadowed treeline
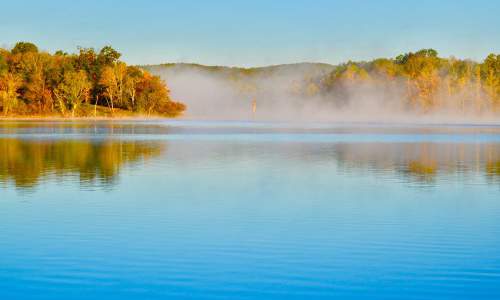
27	162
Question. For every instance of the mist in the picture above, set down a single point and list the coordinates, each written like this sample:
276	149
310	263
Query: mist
290	93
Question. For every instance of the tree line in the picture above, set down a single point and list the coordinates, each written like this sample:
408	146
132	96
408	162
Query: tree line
420	81
88	83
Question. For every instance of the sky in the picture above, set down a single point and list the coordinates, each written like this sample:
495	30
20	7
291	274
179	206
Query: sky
255	32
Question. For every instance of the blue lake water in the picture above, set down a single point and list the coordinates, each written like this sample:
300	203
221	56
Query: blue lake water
242	210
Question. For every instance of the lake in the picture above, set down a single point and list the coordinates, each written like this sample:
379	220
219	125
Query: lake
248	210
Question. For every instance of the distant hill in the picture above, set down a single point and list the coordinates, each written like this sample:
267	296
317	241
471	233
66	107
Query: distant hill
227	92
301	69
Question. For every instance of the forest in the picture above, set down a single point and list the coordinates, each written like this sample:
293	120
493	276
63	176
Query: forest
417	81
89	83
94	83
415	84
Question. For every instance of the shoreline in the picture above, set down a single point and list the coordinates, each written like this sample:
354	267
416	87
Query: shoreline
60	118
225	121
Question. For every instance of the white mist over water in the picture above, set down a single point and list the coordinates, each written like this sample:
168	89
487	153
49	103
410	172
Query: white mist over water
216	93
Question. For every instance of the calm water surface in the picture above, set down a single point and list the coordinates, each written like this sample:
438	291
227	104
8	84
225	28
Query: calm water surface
241	210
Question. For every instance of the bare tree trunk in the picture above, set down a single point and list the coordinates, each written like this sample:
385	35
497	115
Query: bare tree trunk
133	100
112	105
95	106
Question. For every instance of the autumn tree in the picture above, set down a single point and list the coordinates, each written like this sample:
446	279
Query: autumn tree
134	76
153	97
491	74
9	85
4	66
120	72
109	83
72	91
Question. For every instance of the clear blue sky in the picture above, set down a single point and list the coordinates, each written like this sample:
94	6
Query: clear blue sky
255	32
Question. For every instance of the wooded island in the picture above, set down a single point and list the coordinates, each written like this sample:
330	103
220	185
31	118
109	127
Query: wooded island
87	84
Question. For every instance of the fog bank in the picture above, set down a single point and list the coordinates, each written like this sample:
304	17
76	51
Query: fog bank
291	93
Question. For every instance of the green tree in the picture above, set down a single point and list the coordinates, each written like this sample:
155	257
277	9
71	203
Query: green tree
108	56
24	47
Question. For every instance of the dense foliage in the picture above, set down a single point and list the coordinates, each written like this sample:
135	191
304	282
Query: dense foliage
88	83
420	81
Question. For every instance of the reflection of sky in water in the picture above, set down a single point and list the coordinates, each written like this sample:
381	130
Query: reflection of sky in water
196	217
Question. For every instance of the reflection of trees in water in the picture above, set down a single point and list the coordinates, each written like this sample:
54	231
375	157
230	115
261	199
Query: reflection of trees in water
493	168
26	162
422	161
81	127
413	161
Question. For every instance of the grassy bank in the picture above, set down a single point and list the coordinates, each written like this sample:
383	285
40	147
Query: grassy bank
88	112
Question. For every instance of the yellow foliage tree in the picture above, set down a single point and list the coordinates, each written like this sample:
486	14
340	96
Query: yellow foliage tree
72	91
9	84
